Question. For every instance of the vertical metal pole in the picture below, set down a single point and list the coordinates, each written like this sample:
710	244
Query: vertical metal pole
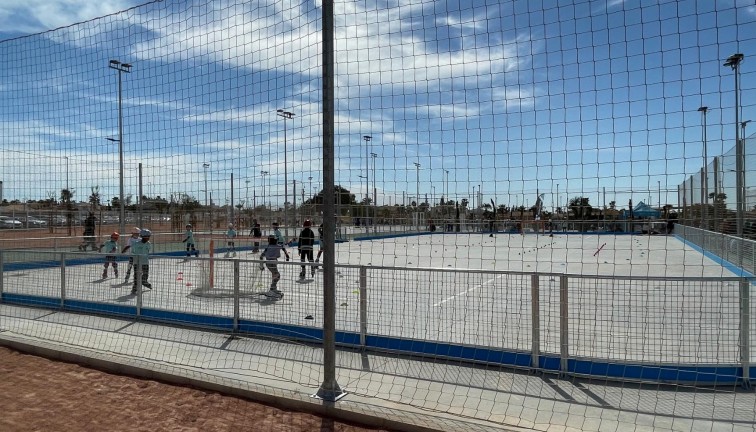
2	273
716	193
535	321
62	280
232	199
286	184
703	201
121	204
363	305
141	194
329	389
294	202
705	212
745	331
236	295
564	325
138	276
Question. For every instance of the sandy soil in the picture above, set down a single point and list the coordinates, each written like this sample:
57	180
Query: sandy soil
37	394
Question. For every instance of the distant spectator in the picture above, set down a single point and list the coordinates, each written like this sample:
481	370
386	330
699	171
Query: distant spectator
89	233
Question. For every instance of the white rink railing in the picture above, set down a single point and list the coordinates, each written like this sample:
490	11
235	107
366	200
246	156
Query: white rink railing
661	329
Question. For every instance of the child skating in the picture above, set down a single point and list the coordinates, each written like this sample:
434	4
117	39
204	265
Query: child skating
141	254
306	243
89	233
189	240
280	239
134	239
271	254
111	248
231	240
320	244
256	234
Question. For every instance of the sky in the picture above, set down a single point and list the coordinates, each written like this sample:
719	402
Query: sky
511	98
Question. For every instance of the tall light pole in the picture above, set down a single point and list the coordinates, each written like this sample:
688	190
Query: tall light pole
367	139
705	186
263	174
66	172
446	187
658	184
417	166
246	195
120	68
375	191
286	116
734	62
205	166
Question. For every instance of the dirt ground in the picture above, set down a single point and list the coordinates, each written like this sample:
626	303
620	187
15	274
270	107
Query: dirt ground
37	394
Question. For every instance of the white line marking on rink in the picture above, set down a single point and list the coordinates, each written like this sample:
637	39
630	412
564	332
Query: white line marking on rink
467	291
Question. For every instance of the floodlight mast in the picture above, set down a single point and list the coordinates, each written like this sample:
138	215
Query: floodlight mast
121	68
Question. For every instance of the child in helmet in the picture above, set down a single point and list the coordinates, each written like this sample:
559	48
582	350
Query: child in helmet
189	240
271	254
134	239
141	254
230	236
111	248
305	248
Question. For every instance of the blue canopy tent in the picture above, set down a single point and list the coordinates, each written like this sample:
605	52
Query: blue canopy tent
642	210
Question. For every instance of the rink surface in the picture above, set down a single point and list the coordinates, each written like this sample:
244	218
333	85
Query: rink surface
466	289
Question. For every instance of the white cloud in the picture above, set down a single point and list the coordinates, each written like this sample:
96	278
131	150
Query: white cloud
20	17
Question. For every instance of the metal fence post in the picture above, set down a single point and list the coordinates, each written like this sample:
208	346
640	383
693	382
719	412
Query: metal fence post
564	325
62	279
535	321
236	295
138	276
363	305
745	331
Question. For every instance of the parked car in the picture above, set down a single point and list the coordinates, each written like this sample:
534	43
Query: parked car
9	222
59	221
33	222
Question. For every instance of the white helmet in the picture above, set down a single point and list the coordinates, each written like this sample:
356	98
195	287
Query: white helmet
145	233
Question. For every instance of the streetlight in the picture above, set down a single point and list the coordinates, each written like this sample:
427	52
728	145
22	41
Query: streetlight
703	110
734	62
66	172
446	187
365	207
206	165
263	174
375	191
286	116
417	165
247	193
367	139
121	68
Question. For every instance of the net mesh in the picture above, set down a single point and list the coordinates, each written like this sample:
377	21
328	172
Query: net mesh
564	187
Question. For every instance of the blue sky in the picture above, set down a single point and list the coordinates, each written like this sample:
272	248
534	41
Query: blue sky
515	97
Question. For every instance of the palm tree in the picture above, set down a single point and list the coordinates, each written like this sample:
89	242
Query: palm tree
94	197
